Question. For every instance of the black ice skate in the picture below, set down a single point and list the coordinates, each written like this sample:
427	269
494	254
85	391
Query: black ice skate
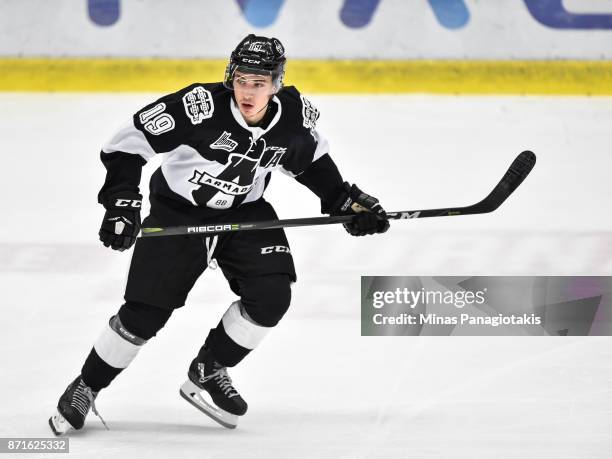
73	407
209	388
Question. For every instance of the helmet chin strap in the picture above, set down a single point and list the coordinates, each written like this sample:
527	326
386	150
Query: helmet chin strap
263	108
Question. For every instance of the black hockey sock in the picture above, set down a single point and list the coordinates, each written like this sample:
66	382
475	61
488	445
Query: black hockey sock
96	373
224	349
120	341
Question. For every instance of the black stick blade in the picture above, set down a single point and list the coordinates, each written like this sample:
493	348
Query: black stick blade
519	169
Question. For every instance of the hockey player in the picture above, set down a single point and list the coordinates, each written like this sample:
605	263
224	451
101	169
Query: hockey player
220	141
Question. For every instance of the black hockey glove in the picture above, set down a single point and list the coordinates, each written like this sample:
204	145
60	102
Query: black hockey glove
121	222
370	217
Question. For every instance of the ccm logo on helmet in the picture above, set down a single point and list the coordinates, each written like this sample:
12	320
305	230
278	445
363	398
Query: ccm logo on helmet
275	248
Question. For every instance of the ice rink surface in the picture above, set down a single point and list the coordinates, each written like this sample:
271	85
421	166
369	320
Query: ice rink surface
315	387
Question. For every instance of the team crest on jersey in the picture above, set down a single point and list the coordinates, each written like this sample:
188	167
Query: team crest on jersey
225	142
310	113
227	187
198	104
237	165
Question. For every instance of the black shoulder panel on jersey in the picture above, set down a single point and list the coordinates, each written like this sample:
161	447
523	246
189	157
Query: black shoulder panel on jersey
167	122
305	113
299	118
291	91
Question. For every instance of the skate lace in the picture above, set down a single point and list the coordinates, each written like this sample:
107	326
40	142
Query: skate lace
91	398
223	380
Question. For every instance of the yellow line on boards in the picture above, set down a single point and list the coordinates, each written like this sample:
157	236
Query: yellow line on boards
315	76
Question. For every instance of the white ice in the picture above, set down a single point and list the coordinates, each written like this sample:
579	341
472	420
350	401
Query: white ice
316	388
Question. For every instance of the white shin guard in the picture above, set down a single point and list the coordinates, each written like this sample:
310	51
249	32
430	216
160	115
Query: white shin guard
241	328
117	346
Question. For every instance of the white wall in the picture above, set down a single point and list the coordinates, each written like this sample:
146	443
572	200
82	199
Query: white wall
498	29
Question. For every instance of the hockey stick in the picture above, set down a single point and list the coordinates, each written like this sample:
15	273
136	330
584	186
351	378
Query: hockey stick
519	169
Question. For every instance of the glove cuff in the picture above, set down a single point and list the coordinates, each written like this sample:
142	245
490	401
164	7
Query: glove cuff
127	200
342	204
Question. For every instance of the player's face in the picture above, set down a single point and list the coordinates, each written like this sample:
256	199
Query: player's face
252	93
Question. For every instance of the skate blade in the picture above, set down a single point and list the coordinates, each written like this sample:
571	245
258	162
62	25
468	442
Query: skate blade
59	425
201	400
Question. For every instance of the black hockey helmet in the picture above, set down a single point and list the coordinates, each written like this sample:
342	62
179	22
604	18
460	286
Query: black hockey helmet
259	55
